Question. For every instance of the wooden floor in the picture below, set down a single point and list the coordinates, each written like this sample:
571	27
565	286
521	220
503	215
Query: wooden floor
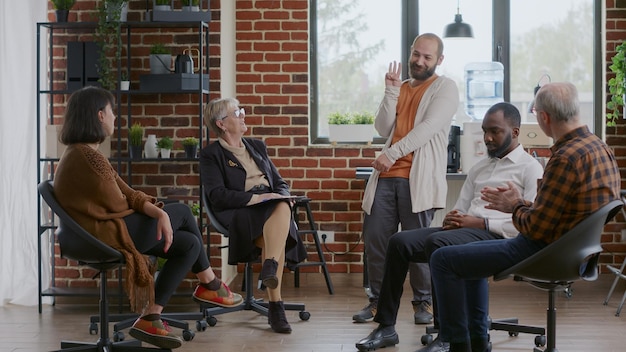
584	324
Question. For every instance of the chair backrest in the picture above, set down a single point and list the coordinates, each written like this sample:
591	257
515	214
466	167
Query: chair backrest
573	256
74	241
214	222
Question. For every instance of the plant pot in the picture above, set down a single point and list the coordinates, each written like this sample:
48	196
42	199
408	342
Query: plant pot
191	8
162	8
190	151
117	10
160	64
351	133
62	15
136	151
124	85
165	153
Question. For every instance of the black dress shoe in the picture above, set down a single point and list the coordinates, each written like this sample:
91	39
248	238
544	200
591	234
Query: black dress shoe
436	346
379	338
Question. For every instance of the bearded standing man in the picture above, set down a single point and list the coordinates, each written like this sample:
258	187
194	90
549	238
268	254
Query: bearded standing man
409	179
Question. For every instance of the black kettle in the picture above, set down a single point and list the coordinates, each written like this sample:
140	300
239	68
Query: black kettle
184	62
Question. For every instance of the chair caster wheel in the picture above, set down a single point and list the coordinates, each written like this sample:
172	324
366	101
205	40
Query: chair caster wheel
211	321
540	340
489	347
188	335
93	329
201	325
513	333
304	315
118	336
426	339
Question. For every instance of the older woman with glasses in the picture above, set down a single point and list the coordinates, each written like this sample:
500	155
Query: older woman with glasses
251	199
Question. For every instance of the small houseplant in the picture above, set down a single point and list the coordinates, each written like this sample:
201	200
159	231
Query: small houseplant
160	59
124	81
351	128
135	140
162	5
190	144
617	85
62	8
165	145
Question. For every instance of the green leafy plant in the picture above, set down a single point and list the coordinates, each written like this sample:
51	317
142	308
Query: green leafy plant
162	2
359	118
135	134
617	84
190	141
109	40
338	118
363	118
165	143
191	2
159	48
124	76
62	4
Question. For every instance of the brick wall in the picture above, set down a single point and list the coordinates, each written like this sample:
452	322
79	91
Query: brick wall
272	80
615	248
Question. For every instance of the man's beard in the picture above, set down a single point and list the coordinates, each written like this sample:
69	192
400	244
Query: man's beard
423	75
499	152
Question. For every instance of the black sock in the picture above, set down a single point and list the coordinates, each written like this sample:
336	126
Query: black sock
460	347
480	344
214	285
151	317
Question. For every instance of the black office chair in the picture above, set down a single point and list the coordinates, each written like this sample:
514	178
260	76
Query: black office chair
249	302
77	244
572	257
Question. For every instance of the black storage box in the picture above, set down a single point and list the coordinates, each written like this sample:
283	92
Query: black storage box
173	82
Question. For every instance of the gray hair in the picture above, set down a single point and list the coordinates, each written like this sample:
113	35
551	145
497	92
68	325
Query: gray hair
560	100
216	110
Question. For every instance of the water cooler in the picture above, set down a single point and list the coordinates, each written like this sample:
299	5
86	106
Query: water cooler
483	88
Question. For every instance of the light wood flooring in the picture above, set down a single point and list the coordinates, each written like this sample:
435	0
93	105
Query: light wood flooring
584	324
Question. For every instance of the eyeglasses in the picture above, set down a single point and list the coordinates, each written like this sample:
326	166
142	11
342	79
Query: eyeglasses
535	111
241	113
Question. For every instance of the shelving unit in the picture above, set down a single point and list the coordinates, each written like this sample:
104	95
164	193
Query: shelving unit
52	92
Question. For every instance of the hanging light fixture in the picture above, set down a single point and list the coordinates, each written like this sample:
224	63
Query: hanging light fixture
458	29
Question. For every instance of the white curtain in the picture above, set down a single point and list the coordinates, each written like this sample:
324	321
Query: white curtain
18	150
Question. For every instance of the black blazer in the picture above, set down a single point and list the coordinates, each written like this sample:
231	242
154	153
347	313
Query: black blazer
223	178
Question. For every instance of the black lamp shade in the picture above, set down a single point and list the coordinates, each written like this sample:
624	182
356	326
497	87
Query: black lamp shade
458	29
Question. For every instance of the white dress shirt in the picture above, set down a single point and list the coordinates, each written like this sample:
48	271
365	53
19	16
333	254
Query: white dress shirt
519	167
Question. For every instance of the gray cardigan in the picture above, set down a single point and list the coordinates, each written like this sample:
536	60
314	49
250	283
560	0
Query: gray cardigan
428	141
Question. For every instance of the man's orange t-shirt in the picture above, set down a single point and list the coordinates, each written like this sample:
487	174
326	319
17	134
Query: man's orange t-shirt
408	101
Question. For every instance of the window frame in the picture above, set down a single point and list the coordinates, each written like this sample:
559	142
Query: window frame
501	52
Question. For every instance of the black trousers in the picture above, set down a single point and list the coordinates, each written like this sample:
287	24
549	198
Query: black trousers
416	246
186	252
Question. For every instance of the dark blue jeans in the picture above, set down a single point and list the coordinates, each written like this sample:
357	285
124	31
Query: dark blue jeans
460	274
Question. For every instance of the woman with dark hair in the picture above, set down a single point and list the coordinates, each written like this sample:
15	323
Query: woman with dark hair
94	195
251	199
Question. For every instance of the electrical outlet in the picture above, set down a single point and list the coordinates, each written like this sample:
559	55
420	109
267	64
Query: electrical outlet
326	236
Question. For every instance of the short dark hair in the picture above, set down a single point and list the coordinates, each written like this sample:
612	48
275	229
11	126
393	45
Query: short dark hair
510	112
81	123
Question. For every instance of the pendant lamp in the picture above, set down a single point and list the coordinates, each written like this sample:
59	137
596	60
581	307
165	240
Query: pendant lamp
458	29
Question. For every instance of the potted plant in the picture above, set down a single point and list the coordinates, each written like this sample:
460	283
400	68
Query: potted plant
124	81
165	145
162	5
160	59
109	40
191	5
135	139
62	8
117	10
350	128
617	85
190	144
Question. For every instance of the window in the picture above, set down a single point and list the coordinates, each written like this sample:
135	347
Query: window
353	42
